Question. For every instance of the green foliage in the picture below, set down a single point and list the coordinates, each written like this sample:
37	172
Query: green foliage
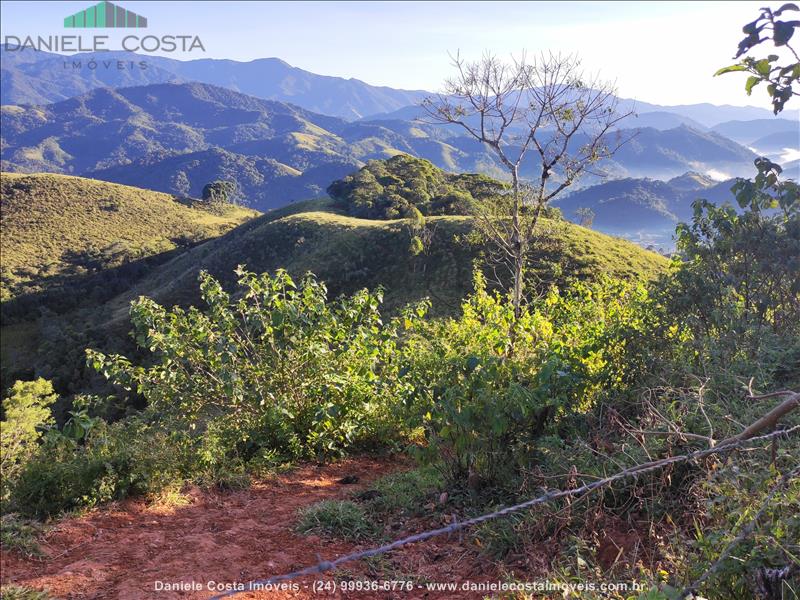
336	518
112	462
26	412
220	192
779	78
485	401
737	287
392	188
278	367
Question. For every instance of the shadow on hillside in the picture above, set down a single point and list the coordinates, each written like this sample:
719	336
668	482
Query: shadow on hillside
87	281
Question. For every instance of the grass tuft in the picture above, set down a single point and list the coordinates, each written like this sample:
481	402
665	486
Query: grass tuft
336	518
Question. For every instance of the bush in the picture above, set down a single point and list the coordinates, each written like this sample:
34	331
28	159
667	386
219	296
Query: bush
128	457
487	386
26	412
278	368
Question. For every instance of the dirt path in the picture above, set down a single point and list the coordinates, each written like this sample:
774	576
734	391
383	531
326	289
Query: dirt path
124	550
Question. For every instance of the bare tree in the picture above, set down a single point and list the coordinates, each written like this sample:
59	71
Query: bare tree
585	216
545	110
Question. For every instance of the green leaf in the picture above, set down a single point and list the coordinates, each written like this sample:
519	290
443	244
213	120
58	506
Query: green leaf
731	69
752	81
783	32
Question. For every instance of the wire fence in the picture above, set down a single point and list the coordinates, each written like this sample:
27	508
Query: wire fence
635	471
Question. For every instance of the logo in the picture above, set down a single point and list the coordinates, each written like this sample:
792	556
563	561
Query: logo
109	16
105	14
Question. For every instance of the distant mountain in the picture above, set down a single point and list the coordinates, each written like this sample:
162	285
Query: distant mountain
661	120
711	115
778	142
692	180
177	137
645	210
746	132
697	116
666	154
30	77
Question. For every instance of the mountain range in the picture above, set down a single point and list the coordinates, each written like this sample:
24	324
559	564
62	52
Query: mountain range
175	138
284	134
30	77
642	209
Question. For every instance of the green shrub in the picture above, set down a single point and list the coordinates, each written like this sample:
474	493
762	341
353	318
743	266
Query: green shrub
26	412
277	367
486	386
336	518
128	457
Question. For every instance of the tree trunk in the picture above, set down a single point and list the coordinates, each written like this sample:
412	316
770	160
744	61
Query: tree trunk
518	247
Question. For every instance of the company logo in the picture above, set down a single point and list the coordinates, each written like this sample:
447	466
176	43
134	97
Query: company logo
105	14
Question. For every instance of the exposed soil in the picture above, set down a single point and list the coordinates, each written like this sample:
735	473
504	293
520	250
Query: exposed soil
123	550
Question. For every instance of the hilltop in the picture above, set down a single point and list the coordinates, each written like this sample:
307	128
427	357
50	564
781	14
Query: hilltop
349	253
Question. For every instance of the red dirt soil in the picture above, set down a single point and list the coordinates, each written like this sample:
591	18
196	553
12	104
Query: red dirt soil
122	550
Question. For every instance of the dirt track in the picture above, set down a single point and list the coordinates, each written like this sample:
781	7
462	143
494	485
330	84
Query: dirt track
122	551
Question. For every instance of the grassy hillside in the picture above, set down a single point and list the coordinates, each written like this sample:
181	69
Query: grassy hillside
56	227
349	253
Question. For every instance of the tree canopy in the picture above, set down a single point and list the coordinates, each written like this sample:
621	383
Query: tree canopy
390	189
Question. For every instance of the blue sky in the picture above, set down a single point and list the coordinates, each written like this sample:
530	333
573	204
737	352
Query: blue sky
661	52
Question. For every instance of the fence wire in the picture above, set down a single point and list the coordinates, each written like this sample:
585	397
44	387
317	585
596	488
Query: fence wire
635	471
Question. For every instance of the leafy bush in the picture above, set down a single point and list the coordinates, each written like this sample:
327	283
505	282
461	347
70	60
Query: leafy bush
390	189
735	287
279	367
487	385
112	462
26	413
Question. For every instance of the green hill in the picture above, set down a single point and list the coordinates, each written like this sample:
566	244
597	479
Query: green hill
349	253
56	228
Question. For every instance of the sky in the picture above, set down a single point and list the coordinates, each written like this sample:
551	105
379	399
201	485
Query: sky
659	52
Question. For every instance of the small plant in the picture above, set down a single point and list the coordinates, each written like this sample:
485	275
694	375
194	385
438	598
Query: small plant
405	492
336	518
20	534
26	413
16	592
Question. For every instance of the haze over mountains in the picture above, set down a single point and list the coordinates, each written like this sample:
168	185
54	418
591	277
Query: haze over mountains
285	134
41	77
